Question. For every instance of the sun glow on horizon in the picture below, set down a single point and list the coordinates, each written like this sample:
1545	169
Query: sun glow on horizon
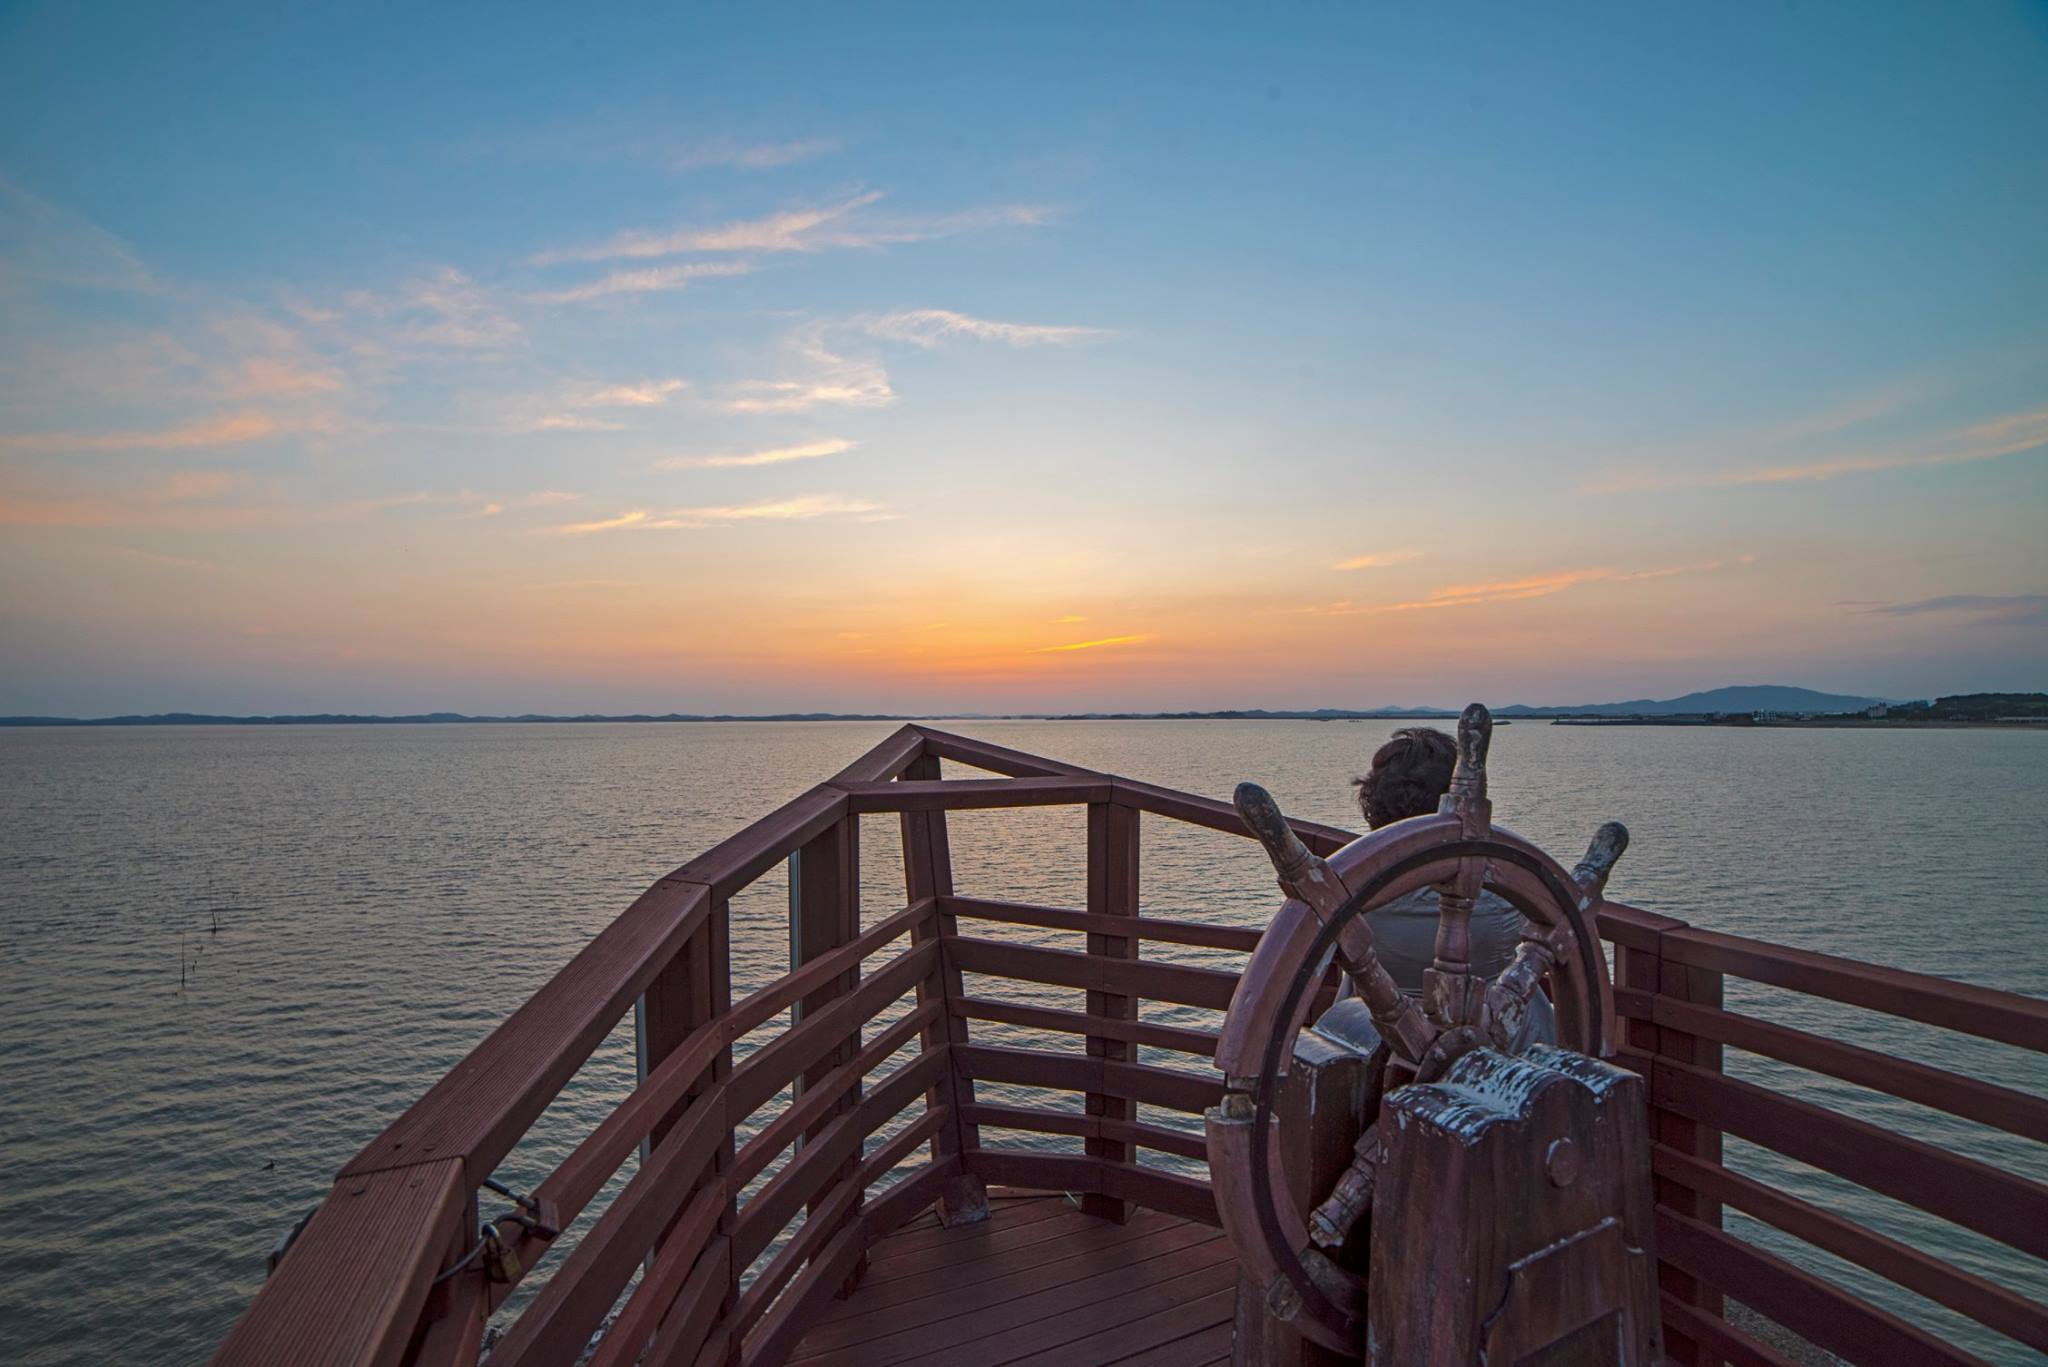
1270	381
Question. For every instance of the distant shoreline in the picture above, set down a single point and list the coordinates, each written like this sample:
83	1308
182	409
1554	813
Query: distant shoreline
1843	722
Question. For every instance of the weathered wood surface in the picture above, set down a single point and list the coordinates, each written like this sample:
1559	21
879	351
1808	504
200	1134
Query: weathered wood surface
1513	1220
349	1308
1319	1110
1038	1282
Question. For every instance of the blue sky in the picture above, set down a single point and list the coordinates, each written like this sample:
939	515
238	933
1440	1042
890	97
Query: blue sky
917	358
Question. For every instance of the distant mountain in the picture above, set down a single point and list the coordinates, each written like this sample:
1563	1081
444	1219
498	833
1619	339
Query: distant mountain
1739	698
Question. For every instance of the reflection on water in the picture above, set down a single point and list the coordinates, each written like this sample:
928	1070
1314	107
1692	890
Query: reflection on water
383	895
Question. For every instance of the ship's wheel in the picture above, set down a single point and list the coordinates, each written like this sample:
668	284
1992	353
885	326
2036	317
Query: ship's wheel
1297	1254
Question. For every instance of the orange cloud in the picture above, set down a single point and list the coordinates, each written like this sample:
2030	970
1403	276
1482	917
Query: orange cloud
1377	560
777	456
1999	437
1092	645
227	430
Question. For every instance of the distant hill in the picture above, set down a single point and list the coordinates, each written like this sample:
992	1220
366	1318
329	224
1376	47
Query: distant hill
1739	698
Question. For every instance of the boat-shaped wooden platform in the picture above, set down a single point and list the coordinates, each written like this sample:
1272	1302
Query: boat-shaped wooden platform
794	1137
1039	1282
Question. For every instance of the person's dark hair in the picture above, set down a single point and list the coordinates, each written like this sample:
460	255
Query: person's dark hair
1408	776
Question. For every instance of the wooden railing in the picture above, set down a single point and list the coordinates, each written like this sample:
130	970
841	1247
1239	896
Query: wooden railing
1669	980
781	1134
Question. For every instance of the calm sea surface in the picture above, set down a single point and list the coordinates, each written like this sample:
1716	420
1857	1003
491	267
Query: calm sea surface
172	1095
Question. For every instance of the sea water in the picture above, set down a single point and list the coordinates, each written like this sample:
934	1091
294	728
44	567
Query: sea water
230	955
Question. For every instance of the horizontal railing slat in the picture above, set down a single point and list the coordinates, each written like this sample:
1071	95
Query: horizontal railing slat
786	1322
1140	1082
559	1323
1990	1305
1968	1097
967	794
1087	1127
1145	928
774	1066
1736	1348
909	1195
691	1329
807	1175
1813	1308
902	749
1217	815
351	1288
1163	1191
1996	1204
821	1096
734	862
752	1011
481	1106
1183	983
1981	1011
1176	1037
998	759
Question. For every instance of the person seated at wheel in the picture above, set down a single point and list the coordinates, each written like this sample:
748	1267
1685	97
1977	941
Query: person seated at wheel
1409	776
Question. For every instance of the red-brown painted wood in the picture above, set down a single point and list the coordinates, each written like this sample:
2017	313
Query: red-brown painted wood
478	1110
1980	1011
1112	901
352	1286
1200	1042
1968	1097
1989	1304
968	794
1145	978
1241	938
1815	1309
1997	1204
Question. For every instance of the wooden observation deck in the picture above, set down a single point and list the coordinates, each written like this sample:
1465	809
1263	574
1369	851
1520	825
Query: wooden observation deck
793	1144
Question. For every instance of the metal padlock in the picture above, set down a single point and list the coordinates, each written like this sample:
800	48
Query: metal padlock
501	1264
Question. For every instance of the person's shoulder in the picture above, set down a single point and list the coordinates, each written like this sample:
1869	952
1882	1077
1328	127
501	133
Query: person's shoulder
1421	902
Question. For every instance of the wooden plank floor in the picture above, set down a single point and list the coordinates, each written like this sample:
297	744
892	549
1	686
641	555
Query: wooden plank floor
1038	1283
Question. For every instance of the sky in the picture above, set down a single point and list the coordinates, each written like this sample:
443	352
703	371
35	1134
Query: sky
966	358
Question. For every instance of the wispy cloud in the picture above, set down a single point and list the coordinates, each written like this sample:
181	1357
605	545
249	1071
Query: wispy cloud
226	430
568	422
800	509
803	508
756	156
834	381
780	455
1990	440
2016	609
651	280
646	394
41	241
1377	560
929	327
1516	590
1104	642
542	498
843	224
443	309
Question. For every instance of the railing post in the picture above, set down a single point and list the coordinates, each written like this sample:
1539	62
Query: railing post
1651	971
1112	891
928	872
824	904
695	988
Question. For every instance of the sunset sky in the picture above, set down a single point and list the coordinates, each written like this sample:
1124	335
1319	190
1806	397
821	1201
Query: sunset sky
717	359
